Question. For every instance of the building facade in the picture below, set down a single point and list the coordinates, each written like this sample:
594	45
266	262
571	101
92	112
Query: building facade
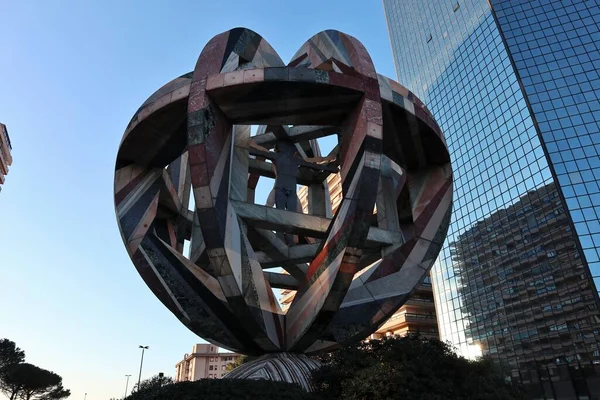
416	316
515	86
5	156
204	362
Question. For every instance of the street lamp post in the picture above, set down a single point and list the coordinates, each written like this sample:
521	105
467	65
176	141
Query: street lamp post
126	385
85	397
141	364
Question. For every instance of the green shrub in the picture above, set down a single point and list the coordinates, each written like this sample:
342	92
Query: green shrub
409	368
225	389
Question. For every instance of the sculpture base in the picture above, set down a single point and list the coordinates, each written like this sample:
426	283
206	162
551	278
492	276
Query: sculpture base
286	367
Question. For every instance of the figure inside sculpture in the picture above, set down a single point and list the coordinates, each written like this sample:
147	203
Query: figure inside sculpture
286	159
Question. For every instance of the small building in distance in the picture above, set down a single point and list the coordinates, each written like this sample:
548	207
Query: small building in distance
415	317
5	156
205	361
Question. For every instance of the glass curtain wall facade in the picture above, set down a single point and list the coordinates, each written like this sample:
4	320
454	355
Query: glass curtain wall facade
513	85
555	47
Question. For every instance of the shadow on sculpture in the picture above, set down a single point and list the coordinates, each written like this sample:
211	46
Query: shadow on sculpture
350	271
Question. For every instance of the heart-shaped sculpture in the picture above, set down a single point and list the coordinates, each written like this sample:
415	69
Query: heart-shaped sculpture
351	271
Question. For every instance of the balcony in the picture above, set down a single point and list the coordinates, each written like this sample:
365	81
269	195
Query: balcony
401	319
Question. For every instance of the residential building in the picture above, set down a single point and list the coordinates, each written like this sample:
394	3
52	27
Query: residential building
417	315
5	156
204	362
514	86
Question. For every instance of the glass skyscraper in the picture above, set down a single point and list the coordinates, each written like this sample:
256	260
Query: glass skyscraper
515	87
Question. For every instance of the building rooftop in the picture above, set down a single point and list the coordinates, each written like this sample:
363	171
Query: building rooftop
6	136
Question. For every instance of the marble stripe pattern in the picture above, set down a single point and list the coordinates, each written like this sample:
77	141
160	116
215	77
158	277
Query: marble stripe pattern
191	138
286	367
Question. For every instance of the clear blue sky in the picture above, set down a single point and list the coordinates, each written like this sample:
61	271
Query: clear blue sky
72	73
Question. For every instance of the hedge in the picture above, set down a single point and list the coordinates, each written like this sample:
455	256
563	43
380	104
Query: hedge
225	389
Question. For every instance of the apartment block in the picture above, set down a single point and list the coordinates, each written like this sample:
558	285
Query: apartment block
204	362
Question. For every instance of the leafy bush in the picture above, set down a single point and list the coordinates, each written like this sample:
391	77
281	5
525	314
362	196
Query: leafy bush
225	389
153	383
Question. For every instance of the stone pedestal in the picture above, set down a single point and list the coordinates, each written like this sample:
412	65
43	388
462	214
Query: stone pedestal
286	367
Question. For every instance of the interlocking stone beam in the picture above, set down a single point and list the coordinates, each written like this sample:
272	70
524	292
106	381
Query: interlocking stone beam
306	252
279	251
281	281
302	224
302	253
296	134
317	167
265	169
307	103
